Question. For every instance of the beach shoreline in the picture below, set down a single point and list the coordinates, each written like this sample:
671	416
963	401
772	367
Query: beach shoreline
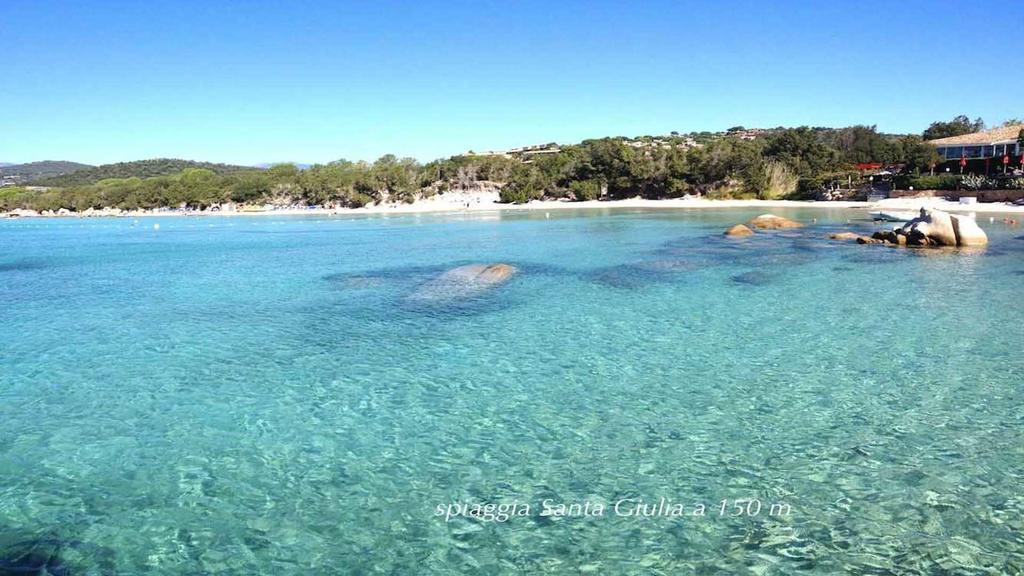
472	202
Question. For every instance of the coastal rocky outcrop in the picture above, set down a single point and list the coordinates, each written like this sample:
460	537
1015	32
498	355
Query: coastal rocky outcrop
772	222
933	228
22	213
739	230
463	282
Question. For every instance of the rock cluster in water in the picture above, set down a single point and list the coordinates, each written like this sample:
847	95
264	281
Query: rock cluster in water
762	222
931	228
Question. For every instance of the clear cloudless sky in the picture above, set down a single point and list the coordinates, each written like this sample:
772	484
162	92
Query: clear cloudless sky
315	81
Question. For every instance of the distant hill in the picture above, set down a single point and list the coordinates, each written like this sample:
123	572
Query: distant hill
299	165
138	168
39	170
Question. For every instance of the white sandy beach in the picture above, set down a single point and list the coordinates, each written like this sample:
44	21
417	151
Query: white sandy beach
489	201
462	202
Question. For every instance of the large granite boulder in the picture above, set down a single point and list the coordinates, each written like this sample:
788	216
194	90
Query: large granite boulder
461	283
931	227
935	227
739	230
968	233
772	222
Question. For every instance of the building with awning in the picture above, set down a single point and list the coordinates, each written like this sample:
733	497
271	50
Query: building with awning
994	143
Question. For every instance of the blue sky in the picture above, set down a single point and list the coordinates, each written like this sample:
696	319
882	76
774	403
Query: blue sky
312	81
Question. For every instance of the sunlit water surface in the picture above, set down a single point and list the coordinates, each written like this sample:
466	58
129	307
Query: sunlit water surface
261	395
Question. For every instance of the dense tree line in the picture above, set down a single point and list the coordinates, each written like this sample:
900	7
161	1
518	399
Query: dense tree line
791	162
776	163
339	183
958	126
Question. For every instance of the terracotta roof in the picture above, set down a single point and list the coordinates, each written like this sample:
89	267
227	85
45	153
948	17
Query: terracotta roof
979	138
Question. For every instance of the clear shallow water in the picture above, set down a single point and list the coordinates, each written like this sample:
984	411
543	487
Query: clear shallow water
260	395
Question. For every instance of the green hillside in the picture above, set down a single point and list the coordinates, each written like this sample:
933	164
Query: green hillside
38	170
138	168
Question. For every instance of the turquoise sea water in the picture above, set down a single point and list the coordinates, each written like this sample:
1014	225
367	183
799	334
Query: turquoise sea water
260	395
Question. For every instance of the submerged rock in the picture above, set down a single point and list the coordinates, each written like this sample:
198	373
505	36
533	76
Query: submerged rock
753	278
772	222
38	557
639	274
54	557
362	282
463	282
845	236
21	265
739	230
677	265
625	276
876	256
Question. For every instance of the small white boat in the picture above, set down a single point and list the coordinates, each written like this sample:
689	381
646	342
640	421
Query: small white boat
894	216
